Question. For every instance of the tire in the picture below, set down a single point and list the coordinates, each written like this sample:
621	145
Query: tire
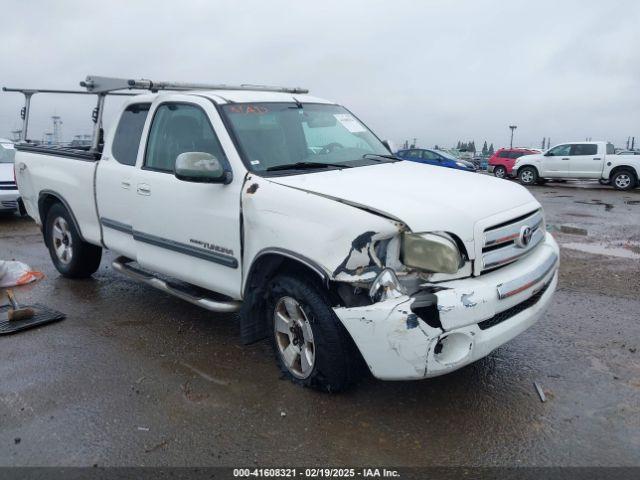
500	172
528	175
623	180
72	257
318	352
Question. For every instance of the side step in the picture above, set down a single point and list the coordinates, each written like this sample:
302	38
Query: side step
121	264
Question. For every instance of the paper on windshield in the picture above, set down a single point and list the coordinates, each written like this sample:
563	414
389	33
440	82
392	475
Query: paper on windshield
349	122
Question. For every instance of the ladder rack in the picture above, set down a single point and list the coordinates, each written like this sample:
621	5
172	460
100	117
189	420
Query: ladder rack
103	86
95	84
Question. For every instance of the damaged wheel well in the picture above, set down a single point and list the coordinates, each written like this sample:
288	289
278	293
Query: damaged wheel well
268	264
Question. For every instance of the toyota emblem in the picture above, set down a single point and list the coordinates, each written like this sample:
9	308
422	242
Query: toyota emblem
524	239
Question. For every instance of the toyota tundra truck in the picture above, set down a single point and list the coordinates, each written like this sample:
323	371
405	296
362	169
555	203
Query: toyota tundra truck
580	160
287	209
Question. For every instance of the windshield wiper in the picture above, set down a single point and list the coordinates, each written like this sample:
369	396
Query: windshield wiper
390	157
305	165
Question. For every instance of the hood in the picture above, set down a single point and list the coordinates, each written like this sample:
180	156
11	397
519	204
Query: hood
423	197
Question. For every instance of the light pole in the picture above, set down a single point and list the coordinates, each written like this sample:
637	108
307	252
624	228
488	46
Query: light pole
512	127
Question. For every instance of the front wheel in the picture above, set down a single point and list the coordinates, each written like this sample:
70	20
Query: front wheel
623	180
500	172
311	346
528	175
72	257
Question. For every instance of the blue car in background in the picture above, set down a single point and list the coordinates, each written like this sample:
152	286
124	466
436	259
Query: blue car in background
435	157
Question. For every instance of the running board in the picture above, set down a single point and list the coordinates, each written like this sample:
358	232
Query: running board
121	264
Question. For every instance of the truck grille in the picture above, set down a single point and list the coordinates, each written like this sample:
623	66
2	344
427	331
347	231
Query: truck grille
509	241
8	185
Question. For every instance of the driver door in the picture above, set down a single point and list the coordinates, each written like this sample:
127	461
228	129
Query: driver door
186	229
556	162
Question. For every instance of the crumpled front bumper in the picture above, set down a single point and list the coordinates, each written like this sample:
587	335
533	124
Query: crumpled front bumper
476	314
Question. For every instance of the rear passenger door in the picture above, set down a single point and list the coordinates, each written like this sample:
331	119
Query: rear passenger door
114	181
585	161
188	230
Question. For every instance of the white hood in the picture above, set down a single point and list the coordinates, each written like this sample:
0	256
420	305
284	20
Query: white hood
424	197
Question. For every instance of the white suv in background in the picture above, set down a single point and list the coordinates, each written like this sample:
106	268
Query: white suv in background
8	189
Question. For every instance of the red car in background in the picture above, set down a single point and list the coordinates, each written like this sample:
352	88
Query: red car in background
502	161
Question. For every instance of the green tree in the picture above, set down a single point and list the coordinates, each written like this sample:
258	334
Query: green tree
491	149
485	149
472	146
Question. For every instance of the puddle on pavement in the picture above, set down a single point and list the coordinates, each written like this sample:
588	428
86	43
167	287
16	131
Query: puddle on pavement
566	229
629	250
607	206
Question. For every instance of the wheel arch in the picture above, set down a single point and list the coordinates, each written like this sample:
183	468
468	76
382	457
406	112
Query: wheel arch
46	200
266	265
517	171
619	168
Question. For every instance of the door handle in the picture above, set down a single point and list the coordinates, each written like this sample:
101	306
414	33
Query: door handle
566	158
143	189
597	158
125	184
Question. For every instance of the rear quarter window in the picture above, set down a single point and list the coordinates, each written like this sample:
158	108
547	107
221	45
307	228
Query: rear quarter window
127	138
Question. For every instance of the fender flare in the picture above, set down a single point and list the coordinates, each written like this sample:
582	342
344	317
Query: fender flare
65	204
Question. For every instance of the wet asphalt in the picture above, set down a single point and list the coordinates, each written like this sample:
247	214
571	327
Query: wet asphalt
136	377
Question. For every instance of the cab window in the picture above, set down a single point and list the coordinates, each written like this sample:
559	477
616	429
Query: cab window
559	151
178	128
584	149
127	137
429	155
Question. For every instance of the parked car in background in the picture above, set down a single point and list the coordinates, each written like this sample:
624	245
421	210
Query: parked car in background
628	152
437	158
581	160
502	161
8	190
480	162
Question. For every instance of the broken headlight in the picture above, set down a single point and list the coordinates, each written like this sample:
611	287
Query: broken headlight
432	252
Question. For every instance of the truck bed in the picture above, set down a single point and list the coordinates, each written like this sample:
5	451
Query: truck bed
78	153
64	173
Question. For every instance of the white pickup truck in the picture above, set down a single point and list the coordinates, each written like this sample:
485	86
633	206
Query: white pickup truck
288	209
580	160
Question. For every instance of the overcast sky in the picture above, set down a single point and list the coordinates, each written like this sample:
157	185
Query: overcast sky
440	71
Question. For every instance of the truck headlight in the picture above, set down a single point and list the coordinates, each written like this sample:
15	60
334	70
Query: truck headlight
433	252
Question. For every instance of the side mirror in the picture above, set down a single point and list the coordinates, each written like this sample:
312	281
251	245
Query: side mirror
548	154
201	167
390	146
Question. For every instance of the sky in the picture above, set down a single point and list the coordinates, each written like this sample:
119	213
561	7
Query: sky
438	71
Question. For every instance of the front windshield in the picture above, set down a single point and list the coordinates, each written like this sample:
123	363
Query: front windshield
7	153
280	134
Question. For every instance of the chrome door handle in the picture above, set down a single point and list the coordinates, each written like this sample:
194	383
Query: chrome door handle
143	189
125	184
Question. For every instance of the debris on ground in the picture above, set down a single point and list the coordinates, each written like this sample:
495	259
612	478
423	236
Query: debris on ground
13	274
541	394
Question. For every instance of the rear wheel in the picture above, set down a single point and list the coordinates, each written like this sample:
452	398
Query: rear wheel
312	347
623	180
500	171
72	257
528	175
